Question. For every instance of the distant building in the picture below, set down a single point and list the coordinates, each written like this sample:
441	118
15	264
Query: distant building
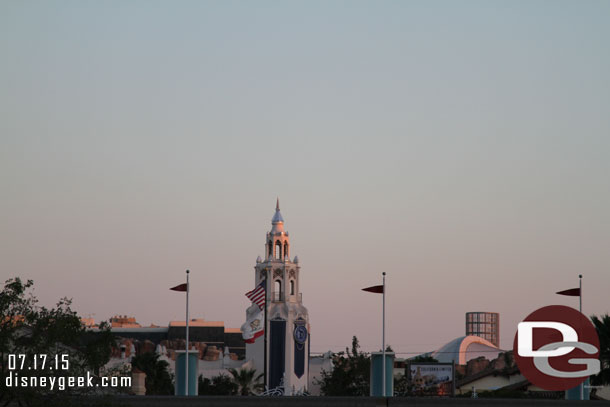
485	325
210	333
501	374
88	322
123	321
465	348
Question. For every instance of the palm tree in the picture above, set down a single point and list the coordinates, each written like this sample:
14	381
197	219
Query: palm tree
158	377
602	325
246	380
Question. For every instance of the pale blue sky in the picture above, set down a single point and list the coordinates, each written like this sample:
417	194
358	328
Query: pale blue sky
462	147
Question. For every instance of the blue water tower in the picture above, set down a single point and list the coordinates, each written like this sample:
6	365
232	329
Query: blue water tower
180	370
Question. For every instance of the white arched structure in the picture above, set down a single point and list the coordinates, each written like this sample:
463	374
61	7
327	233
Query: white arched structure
464	348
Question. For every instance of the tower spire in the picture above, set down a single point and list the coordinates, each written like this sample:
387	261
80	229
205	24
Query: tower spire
277	217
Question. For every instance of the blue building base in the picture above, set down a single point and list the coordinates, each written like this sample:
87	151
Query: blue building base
574	392
180	370
377	374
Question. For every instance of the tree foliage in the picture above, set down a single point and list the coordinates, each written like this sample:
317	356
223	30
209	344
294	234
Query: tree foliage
221	385
247	380
423	358
32	330
400	384
602	325
350	375
158	378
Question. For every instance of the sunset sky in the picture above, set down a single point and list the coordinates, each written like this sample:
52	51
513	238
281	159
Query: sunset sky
463	147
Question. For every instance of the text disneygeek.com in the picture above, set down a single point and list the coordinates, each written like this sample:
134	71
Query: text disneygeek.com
60	362
62	382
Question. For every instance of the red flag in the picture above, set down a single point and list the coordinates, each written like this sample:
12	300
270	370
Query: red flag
179	287
574	292
374	289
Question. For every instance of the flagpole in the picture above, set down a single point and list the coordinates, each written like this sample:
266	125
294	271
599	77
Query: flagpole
266	326
383	339
186	385
582	390
580	291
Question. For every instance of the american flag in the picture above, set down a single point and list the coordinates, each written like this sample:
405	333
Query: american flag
257	295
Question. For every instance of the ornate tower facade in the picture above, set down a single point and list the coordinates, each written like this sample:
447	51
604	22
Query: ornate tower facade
287	320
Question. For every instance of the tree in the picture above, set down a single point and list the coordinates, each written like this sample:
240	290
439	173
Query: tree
400	384
350	375
31	330
158	377
423	358
602	325
221	385
98	346
246	380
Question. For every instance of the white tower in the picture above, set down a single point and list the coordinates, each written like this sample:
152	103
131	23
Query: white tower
287	321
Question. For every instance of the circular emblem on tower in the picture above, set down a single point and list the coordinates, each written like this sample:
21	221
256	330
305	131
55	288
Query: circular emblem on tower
300	334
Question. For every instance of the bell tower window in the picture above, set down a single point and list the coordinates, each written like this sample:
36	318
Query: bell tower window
278	250
277	291
285	249
291	287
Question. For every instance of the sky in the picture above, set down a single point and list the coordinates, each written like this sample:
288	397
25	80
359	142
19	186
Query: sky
462	147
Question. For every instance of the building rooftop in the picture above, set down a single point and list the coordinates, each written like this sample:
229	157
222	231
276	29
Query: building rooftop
464	348
197	322
123	321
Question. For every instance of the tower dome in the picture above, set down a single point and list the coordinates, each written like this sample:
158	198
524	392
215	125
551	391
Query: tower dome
277	221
